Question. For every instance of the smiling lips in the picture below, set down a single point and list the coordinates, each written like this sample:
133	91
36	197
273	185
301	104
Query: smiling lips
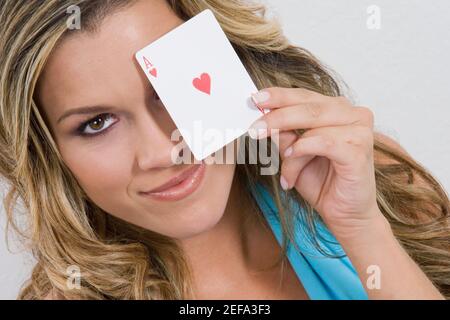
180	186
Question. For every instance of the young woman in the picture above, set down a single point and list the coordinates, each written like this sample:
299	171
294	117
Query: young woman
84	138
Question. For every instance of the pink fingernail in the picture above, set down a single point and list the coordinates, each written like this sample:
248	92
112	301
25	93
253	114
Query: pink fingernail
284	183
260	97
288	152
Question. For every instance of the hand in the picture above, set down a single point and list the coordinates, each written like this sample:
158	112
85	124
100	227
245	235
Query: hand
331	164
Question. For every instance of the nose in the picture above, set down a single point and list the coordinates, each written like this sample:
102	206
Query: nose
154	146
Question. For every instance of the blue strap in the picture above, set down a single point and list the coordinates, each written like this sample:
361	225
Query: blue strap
324	278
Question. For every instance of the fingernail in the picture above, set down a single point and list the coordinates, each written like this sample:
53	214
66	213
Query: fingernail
284	183
258	129
288	152
260	97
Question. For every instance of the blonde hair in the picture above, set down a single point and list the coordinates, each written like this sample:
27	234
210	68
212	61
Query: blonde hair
119	260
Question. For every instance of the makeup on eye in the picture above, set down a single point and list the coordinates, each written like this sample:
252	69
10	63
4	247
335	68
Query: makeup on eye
81	129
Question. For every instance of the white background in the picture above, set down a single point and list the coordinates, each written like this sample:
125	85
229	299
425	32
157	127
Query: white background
400	71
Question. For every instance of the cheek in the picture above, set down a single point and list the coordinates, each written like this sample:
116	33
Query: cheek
102	171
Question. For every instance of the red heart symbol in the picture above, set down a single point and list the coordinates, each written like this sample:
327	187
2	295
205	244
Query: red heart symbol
154	72
203	83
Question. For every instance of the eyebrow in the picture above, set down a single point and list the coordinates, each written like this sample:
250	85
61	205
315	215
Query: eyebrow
84	110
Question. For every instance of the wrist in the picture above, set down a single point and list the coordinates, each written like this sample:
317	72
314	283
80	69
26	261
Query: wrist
371	233
399	276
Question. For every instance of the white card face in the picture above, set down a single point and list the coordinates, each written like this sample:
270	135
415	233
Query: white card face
202	84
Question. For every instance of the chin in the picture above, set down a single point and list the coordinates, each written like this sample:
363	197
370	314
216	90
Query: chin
202	213
196	223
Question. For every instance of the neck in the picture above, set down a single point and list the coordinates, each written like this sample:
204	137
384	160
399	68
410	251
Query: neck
226	256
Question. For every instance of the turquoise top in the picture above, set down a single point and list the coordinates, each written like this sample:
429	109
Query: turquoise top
324	278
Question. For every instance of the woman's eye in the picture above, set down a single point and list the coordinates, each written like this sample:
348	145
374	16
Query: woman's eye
96	125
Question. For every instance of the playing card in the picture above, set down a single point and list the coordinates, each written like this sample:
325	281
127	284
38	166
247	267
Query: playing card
202	83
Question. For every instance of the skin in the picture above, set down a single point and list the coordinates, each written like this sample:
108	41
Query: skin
134	154
331	166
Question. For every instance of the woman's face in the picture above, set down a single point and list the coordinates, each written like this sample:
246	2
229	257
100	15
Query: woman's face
117	156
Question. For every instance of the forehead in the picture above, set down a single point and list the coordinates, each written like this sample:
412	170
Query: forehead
100	63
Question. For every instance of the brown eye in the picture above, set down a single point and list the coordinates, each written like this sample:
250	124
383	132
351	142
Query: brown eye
97	125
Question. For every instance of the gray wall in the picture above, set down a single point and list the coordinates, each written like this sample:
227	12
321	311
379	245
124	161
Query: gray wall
400	71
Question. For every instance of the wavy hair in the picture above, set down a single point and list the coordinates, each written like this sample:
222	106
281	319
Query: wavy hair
119	260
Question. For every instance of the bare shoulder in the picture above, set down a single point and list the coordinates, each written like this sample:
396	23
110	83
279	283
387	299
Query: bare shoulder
384	159
379	157
412	179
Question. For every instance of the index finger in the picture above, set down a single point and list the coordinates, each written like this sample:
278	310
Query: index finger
276	97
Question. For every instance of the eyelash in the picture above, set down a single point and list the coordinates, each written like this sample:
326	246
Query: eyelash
84	125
